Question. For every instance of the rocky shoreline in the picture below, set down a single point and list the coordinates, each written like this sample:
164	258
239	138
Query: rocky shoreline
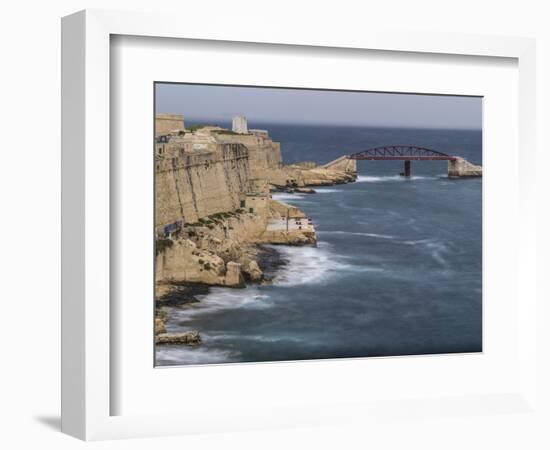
188	295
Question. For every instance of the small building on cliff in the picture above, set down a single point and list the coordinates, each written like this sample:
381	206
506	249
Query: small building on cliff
255	203
240	125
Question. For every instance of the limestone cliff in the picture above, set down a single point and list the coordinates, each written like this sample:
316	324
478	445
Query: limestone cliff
221	249
213	203
191	185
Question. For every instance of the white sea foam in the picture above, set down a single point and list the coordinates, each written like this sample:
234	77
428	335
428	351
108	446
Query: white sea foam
354	233
387	178
436	249
307	265
287	196
220	298
253	337
181	354
377	179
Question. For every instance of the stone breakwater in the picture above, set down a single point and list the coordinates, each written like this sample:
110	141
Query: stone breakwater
214	207
461	168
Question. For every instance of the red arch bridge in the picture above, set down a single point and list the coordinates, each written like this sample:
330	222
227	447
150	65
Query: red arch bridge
405	153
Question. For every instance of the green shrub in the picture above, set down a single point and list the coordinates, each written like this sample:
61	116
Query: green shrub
199	126
224	132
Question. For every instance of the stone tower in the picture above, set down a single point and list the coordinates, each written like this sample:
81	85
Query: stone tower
239	125
168	123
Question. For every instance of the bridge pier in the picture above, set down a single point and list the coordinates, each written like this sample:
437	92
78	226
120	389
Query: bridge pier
407	172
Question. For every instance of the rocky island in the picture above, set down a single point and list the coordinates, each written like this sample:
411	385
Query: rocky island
214	207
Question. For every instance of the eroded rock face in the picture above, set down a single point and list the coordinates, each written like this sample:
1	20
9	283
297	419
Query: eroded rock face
183	261
233	275
253	271
187	337
159	326
339	171
463	168
326	177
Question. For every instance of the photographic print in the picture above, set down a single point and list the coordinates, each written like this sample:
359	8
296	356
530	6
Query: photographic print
300	224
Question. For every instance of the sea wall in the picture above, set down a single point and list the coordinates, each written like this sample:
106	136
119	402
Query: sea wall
342	164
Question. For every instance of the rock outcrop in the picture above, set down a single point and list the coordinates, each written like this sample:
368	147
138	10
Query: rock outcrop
460	168
253	271
326	177
183	261
233	275
187	337
160	327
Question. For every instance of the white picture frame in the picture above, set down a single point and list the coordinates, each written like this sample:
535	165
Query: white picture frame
87	325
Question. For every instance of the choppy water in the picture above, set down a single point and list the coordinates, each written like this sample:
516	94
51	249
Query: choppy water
397	269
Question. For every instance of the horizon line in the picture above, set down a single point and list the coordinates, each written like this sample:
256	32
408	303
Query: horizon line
210	121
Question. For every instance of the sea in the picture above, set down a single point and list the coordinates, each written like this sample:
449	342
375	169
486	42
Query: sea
397	269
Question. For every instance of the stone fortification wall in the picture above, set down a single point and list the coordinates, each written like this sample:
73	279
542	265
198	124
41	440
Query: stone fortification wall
168	123
200	183
213	170
264	154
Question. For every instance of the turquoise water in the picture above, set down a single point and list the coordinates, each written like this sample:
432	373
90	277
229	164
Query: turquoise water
397	269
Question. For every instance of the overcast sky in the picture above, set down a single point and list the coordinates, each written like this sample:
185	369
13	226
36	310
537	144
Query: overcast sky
220	103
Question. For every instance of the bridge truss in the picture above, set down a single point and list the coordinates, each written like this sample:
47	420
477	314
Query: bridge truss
405	153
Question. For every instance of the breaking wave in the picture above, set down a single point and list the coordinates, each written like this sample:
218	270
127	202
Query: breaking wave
287	196
220	298
307	265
